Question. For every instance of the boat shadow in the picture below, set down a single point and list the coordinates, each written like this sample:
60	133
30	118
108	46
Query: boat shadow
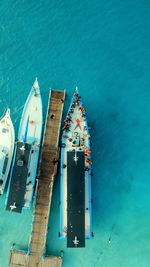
112	179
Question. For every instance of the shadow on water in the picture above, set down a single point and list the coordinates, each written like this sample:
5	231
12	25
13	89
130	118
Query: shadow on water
111	180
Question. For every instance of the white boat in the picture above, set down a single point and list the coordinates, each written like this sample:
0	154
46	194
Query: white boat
7	140
23	174
75	181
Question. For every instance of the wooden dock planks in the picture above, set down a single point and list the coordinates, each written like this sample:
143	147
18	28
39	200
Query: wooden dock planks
37	246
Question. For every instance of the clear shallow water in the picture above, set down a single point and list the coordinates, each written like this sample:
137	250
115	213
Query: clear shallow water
104	48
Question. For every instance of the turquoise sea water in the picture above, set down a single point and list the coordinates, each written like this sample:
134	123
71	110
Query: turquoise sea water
104	48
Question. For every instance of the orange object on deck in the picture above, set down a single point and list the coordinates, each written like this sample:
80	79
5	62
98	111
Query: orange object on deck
77	121
87	151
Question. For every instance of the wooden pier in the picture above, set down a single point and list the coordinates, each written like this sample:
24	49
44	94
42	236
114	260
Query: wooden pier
36	254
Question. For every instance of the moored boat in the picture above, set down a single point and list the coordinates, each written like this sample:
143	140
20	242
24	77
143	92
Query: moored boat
75	180
7	140
25	162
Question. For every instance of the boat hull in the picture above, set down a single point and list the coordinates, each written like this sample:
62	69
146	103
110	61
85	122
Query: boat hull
7	140
76	139
30	132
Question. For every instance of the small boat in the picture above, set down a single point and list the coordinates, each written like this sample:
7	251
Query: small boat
7	141
75	177
25	162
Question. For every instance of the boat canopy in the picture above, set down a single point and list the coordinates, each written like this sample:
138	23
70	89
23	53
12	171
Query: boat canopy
19	177
75	199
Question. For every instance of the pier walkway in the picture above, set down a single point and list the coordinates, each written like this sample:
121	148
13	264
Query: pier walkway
36	255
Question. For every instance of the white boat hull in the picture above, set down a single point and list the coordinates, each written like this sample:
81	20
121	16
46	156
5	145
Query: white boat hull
28	143
7	140
30	131
77	138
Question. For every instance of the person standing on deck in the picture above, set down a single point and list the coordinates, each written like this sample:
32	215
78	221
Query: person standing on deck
77	124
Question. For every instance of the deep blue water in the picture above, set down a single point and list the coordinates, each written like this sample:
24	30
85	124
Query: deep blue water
104	48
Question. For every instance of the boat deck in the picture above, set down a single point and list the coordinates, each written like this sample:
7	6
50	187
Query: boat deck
37	247
78	139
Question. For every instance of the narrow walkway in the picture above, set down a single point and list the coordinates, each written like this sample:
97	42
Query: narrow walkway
37	245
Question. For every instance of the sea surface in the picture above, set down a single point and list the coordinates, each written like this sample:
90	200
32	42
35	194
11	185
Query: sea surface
104	48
